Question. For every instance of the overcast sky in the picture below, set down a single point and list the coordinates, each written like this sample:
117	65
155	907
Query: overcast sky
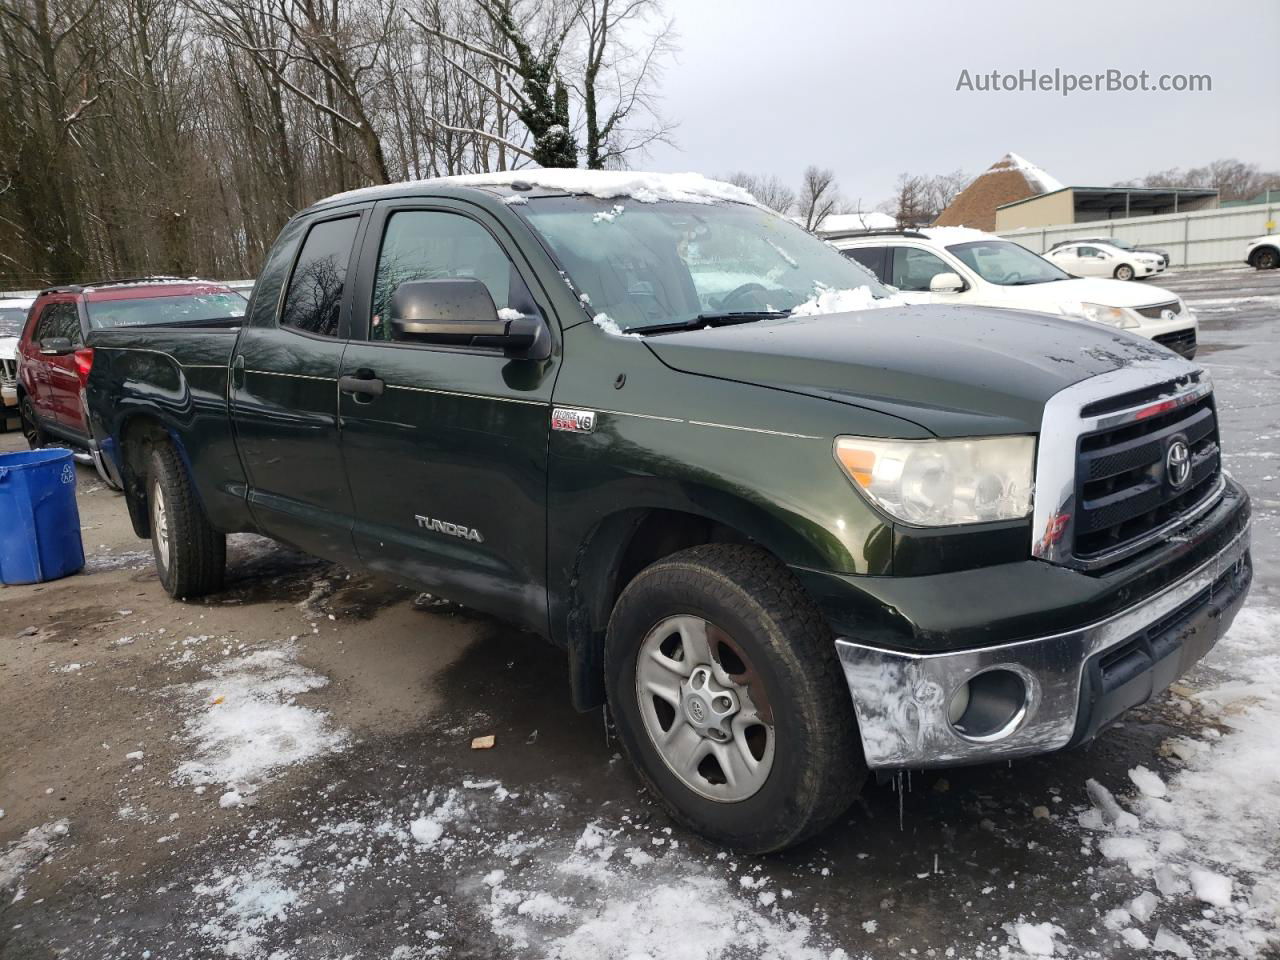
869	88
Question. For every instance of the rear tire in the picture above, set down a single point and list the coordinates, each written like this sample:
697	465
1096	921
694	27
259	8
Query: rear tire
1124	272
1266	259
191	556
772	674
31	429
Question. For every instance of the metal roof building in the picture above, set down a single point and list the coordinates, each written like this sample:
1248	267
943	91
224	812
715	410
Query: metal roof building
1087	204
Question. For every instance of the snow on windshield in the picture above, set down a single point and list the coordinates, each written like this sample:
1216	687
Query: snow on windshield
672	262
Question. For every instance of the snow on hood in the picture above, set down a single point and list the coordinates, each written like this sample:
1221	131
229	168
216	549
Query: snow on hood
605	184
843	301
8	348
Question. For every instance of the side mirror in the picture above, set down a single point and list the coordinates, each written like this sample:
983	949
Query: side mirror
461	313
56	347
946	283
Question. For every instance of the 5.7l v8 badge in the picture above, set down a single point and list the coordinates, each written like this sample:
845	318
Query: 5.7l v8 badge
573	421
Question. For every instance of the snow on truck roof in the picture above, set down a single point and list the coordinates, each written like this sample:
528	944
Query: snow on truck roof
605	184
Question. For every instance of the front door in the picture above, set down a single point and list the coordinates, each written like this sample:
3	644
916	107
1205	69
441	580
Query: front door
285	388
57	381
447	457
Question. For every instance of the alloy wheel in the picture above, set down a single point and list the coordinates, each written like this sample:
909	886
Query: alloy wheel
705	708
160	524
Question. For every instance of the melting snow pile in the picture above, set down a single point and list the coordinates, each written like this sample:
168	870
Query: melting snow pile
842	301
24	854
608	325
246	724
1207	841
479	869
250	899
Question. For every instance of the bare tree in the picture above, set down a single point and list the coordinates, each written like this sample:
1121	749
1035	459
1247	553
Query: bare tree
768	189
623	74
1233	179
141	136
819	196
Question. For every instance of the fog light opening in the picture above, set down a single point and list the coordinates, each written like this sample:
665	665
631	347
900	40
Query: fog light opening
989	706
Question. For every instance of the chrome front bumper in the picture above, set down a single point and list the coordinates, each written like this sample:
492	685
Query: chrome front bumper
902	699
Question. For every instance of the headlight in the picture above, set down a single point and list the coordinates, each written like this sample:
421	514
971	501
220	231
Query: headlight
1121	317
939	483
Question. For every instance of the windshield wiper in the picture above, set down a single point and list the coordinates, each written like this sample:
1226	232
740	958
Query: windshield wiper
716	318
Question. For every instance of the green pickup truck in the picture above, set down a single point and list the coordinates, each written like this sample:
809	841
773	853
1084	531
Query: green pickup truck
787	528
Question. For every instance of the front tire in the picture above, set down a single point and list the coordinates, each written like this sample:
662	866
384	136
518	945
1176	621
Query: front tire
1124	272
190	555
31	429
1266	259
729	700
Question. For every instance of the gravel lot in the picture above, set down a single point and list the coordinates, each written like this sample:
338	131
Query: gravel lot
285	771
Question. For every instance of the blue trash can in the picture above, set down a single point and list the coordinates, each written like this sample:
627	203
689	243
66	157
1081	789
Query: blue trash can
39	519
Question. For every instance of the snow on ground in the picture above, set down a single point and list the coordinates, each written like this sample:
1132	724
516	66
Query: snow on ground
245	723
1204	843
619	890
21	855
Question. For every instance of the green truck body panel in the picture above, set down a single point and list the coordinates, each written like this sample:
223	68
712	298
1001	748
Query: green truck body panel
731	429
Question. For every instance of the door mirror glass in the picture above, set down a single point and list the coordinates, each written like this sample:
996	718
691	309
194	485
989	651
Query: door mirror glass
56	346
946	283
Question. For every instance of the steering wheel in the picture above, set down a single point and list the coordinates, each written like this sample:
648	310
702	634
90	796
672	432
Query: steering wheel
740	291
1013	276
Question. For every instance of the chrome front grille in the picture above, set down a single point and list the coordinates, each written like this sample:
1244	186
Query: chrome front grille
8	373
1105	463
1124	488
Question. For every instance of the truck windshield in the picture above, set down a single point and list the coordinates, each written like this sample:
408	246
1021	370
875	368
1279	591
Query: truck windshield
655	264
1006	263
147	311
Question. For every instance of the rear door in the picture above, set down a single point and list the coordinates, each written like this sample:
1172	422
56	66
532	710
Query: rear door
873	258
448	459
284	395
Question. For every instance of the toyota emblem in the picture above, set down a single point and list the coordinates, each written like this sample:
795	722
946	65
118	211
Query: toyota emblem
1177	463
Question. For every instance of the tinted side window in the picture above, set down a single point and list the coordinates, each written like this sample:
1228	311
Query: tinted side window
1089	252
872	258
58	320
314	298
430	245
914	268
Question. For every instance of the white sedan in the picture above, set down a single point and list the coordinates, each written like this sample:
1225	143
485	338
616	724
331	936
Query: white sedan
1095	259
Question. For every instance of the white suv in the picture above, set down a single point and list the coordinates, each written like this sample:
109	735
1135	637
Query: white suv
957	265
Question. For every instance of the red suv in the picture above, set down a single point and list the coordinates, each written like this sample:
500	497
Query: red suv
54	362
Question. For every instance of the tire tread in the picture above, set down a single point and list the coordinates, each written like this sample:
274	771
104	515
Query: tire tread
198	552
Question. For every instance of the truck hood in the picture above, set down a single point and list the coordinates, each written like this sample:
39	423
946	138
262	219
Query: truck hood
956	371
8	348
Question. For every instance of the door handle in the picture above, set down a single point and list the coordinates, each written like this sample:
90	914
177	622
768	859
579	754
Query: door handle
364	383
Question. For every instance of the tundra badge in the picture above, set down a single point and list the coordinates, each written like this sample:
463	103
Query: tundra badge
452	529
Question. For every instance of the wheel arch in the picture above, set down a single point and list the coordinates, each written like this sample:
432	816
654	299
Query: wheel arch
615	549
139	433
